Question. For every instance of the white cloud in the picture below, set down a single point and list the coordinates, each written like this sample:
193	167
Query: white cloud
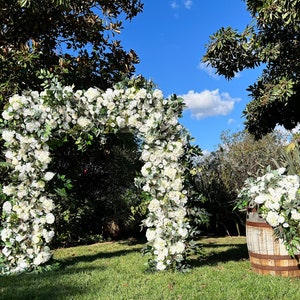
208	69
231	121
209	103
285	134
188	3
174	5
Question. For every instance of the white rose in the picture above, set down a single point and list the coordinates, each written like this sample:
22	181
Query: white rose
121	122
132	104
35	239
22	264
8	190
50	218
261	198
20	237
91	94
295	215
32	126
78	93
8	135
145	155
158	94
111	106
48	204
83	122
35	94
141	94
183	232
29	252
39	259
69	89
6	115
177	248
6	251
28	112
170	172
160	266
272	205
154	205
48	235
7	207
274	219
42	156
145	169
150	234
48	176
159	243
5	234
9	154
162	254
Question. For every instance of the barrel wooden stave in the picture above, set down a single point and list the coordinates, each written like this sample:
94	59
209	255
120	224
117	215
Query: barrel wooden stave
268	255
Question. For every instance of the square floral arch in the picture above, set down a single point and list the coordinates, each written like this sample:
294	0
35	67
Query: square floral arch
33	119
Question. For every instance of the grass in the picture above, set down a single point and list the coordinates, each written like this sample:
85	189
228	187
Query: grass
118	271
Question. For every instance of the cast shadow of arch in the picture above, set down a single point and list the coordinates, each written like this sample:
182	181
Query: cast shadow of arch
47	285
72	260
236	252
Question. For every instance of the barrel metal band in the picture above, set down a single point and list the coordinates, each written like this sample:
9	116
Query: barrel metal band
272	256
257	224
275	268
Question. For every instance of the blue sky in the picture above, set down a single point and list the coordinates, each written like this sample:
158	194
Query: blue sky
169	37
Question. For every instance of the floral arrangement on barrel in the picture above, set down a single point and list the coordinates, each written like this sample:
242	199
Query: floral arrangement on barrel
276	198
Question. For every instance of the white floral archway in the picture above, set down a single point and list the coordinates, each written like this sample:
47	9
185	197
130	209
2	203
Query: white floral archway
33	119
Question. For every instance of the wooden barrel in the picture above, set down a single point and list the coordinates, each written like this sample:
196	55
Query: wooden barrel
268	255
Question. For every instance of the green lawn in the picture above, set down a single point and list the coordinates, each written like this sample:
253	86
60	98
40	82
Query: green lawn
118	271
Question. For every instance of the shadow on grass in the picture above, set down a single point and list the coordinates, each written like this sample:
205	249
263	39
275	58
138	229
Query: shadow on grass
91	258
214	254
77	258
58	284
51	285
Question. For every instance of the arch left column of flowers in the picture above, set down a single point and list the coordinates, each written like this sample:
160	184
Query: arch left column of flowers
33	119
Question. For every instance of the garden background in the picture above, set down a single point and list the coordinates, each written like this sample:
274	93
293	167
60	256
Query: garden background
96	198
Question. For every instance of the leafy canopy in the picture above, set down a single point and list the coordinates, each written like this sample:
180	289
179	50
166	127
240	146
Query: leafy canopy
76	40
271	40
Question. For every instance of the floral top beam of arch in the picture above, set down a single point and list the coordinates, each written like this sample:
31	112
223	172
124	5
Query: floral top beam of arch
33	119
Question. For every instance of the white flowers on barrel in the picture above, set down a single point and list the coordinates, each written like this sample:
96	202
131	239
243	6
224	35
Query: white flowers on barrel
276	196
33	119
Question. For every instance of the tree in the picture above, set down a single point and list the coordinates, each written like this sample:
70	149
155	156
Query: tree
75	40
222	174
272	40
